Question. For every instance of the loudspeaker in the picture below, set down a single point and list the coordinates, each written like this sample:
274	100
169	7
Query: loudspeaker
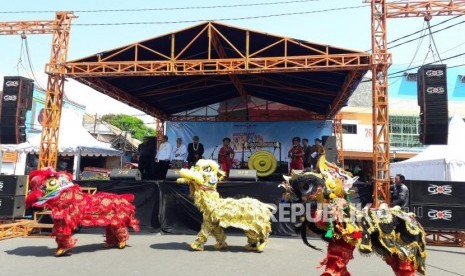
125	174
436	192
440	217
432	99
172	175
16	100
11	206
22	88
13	185
329	143
243	175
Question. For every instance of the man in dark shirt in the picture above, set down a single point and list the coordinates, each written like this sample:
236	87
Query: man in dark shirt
194	151
399	192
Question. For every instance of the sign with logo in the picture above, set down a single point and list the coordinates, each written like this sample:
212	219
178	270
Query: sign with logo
12	83
434	189
437	192
435	90
434	214
434	73
439	217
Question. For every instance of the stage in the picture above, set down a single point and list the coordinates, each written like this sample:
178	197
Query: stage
164	206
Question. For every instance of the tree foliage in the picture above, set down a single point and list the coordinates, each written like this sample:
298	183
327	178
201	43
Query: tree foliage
129	123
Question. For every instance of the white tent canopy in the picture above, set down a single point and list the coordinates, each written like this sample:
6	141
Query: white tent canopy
438	162
73	140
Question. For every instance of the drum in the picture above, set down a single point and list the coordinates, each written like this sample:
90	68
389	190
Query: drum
263	162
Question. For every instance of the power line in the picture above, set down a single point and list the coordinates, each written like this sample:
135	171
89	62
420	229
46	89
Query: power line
218	19
416	67
175	8
440	30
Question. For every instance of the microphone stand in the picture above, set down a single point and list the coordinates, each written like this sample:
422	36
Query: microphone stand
213	152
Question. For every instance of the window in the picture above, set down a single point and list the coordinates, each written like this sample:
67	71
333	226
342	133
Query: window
404	131
349	129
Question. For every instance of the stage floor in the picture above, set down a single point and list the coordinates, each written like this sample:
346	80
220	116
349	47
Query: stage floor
155	254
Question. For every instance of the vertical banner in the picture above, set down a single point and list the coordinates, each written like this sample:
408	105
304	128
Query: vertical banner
211	135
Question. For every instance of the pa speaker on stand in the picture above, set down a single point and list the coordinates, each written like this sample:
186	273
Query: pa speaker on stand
432	99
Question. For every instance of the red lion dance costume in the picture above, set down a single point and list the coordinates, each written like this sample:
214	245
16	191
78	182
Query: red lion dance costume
71	208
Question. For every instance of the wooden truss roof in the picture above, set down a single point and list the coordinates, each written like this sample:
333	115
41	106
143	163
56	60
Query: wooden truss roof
216	72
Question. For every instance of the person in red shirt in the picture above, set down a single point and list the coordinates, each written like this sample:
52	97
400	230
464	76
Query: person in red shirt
296	154
226	156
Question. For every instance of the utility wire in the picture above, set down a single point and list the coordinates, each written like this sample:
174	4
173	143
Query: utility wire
218	19
175	8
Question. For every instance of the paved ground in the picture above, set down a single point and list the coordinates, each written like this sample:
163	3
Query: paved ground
155	254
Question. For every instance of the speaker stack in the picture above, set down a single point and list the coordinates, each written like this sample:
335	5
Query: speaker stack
12	192
438	205
432	99
16	100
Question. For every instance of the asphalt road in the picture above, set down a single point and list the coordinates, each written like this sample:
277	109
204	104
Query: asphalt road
155	254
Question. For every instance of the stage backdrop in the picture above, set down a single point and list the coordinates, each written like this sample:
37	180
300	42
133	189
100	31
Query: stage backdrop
212	133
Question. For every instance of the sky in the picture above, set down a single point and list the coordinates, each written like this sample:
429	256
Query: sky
340	23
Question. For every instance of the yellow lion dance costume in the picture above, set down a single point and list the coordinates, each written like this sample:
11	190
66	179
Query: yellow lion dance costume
248	214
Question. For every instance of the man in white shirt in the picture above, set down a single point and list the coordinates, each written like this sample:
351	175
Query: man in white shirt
179	154
163	158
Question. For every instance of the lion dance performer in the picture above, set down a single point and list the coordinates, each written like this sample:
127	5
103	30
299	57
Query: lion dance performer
71	208
248	214
394	235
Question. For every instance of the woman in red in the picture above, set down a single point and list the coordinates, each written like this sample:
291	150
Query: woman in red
226	156
296	153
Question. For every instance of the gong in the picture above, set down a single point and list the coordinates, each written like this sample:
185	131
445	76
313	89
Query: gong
263	162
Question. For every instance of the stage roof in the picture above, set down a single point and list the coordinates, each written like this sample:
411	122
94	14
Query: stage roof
216	72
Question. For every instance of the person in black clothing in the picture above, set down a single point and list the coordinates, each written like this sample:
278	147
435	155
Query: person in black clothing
147	151
194	151
399	192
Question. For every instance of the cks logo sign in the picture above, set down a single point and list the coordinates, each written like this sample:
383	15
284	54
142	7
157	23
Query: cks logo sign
11	84
439	190
437	214
434	73
435	90
1	186
10	98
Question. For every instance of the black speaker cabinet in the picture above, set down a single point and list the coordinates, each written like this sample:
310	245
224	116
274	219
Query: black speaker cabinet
125	174
243	175
436	192
13	185
11	206
172	175
440	217
432	98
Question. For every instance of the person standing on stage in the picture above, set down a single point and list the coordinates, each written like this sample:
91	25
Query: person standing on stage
163	158
316	150
147	151
194	151
296	154
307	152
226	156
179	154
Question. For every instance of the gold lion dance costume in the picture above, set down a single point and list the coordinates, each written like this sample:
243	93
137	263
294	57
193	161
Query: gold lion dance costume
71	208
392	234
248	214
